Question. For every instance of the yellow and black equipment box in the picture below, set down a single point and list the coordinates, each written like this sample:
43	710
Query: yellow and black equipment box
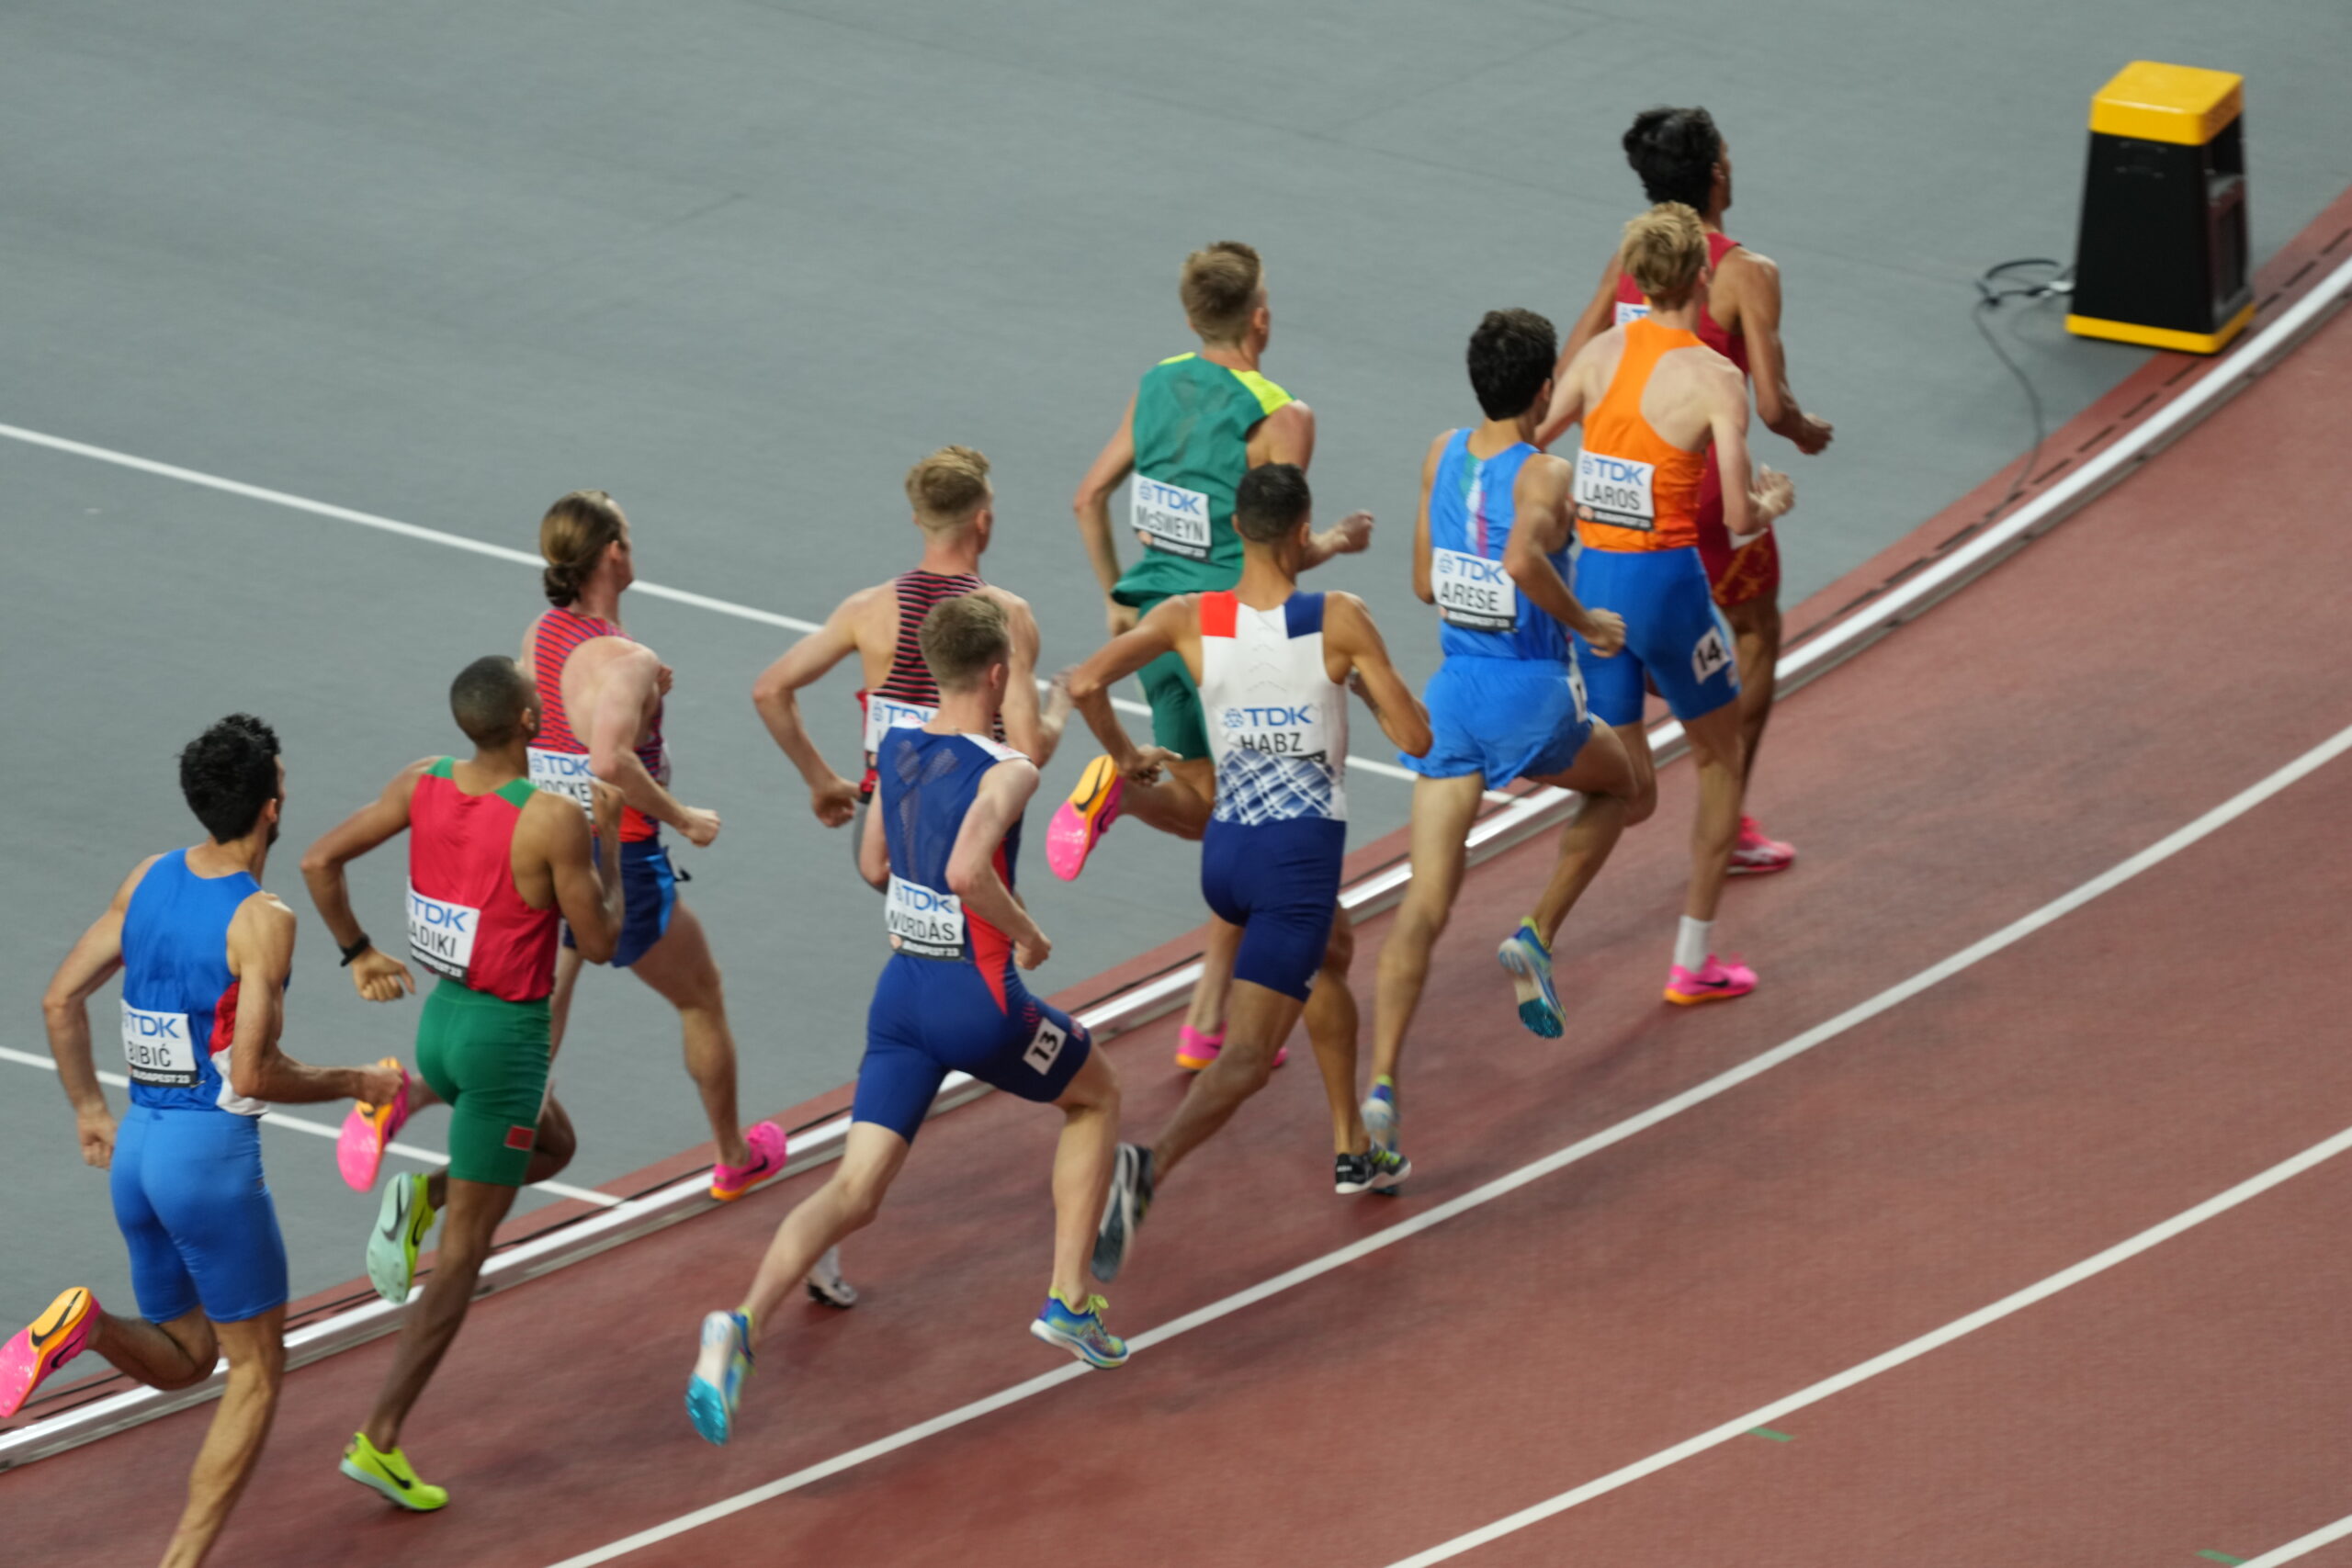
2162	258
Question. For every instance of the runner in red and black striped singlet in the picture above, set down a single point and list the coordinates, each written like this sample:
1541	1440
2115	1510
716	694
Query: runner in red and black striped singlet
558	757
908	696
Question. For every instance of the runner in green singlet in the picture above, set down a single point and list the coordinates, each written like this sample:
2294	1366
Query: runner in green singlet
1197	424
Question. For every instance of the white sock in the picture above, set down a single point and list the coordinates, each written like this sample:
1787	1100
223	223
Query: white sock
1690	943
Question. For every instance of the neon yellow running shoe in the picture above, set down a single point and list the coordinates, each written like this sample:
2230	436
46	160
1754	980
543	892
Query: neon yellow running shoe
401	1221
389	1475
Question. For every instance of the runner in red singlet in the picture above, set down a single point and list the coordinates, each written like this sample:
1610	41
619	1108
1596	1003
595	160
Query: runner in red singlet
1682	156
494	866
600	699
957	512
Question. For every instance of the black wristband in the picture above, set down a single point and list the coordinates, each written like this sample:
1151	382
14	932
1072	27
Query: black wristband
355	949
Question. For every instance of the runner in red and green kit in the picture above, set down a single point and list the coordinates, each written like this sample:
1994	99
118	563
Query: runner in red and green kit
1197	424
494	865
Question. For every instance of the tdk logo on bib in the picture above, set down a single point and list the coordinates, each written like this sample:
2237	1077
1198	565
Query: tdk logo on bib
157	1047
922	920
1171	518
563	773
442	934
1618	487
884	715
1277	730
1473	592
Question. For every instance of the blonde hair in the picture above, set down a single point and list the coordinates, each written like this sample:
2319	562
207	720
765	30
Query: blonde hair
1665	249
572	536
947	488
962	636
1220	290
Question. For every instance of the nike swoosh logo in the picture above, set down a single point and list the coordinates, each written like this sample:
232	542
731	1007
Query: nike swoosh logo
42	1336
400	1214
400	1481
1713	984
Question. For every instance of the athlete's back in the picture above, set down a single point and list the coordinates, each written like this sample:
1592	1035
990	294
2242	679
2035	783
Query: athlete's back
1472	507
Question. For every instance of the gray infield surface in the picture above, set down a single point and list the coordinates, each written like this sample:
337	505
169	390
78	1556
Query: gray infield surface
742	263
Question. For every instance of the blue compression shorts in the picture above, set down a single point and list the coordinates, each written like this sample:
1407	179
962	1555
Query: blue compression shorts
1280	882
1504	719
1674	635
649	898
931	1017
193	1207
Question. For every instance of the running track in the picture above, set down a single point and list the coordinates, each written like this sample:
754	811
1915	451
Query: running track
2176	643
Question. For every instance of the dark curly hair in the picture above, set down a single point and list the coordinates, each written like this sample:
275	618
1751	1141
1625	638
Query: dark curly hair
1271	500
1512	355
1674	152
228	773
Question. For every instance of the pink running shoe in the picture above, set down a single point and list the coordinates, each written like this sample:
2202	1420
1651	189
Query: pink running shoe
728	1182
1080	821
368	1131
1195	1050
1715	982
50	1340
1753	855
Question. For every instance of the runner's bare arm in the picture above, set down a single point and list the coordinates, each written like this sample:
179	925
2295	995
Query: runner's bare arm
874	851
972	877
630	679
376	975
1287	436
1599	313
65	1008
587	885
261	956
1754	283
1029	728
1092	507
1568	401
1424	587
1091	682
1545	520
1349	636
1751	504
775	693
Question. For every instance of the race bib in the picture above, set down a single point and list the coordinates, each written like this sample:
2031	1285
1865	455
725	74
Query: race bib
563	773
157	1049
1045	1046
1276	730
1709	656
1473	592
1615	490
1171	518
922	920
441	935
1638	310
884	715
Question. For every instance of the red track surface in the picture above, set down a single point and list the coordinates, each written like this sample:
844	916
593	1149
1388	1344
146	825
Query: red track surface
2169	646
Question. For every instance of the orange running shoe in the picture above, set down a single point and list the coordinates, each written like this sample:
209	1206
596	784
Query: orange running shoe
55	1337
1080	821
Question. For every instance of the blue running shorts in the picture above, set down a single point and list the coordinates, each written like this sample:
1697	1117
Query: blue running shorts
193	1206
931	1017
649	896
1504	719
1280	882
1674	635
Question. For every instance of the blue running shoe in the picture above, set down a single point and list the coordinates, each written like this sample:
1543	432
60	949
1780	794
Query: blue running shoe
1079	1331
1530	963
716	1387
1380	1113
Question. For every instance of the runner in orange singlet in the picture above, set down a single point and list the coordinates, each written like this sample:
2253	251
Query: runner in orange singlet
1682	156
1654	402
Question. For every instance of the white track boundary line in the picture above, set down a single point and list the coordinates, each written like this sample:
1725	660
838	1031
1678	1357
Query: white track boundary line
1522	818
482	548
1957	1328
303	1124
1885	1002
2302	1546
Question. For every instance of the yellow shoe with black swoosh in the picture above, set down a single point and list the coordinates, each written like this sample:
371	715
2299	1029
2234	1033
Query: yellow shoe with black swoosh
389	1475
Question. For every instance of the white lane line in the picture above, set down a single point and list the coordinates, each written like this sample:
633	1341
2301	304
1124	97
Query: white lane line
495	552
298	1124
1894	996
1935	1339
2302	1546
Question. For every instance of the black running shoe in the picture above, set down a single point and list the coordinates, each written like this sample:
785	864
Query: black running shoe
1374	1170
1123	1210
